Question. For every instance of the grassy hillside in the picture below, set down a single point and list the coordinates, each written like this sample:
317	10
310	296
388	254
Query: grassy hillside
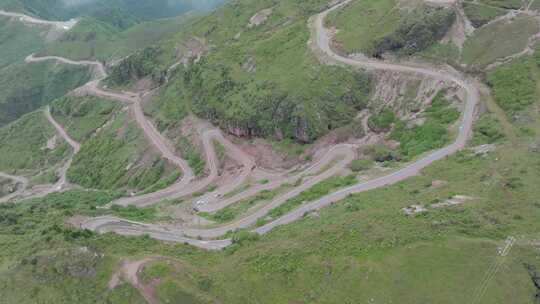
514	85
363	249
360	249
373	27
261	80
82	116
24	144
118	157
480	14
498	40
17	41
95	39
26	87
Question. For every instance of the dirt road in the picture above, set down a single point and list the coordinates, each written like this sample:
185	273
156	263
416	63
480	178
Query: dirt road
62	182
322	42
133	100
345	151
187	185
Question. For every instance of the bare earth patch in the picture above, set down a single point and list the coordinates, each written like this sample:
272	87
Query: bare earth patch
260	17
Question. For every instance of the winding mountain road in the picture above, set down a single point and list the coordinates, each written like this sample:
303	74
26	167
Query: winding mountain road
322	43
187	184
310	177
62	182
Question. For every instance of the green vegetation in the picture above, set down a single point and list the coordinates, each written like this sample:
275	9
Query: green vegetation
24	88
480	14
417	32
265	82
513	85
313	193
155	270
82	116
135	214
382	121
220	151
95	39
232	212
7	186
498	40
118	158
24	144
171	292
137	66
360	250
365	234
359	165
191	155
362	23
382	154
432	134
125	294
375	27
49	176
487	130
17	41
442	52
508	4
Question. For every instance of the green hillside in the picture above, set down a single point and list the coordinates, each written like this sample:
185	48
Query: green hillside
116	158
24	88
25	144
465	229
262	80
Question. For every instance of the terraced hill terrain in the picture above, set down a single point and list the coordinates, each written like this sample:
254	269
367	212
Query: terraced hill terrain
270	152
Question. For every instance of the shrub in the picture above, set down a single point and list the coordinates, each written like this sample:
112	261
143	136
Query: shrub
361	165
417	32
487	130
513	86
382	121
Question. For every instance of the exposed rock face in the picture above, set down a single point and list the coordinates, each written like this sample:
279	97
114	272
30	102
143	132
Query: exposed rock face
192	50
405	94
238	130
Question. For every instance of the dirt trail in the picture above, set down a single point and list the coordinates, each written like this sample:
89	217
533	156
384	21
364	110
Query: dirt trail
129	271
322	46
